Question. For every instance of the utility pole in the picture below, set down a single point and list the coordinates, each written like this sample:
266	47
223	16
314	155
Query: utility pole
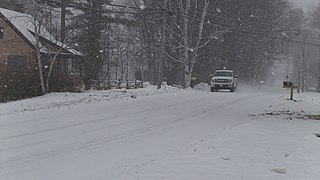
63	20
318	73
303	76
161	63
108	57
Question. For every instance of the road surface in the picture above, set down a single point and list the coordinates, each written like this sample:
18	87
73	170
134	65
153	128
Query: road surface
104	140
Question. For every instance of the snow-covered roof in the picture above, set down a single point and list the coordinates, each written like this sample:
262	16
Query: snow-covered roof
25	24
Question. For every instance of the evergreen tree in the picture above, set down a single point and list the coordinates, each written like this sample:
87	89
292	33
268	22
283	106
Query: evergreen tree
90	26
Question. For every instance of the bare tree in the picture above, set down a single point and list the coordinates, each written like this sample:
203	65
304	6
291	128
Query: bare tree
39	18
314	23
33	6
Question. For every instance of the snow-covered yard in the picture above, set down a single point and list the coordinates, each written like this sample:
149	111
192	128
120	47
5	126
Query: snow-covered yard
268	148
149	134
61	100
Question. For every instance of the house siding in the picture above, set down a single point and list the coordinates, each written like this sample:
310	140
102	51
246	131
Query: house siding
16	82
13	44
19	74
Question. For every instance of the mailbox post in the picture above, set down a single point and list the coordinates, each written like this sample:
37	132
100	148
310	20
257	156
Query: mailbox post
287	84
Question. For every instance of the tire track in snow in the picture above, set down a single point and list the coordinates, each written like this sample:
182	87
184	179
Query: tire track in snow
91	122
126	122
104	140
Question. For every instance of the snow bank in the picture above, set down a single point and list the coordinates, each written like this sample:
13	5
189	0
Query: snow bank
58	100
307	97
261	149
202	87
190	135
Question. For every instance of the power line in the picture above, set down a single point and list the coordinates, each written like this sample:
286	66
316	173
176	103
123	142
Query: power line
109	11
242	21
206	21
228	22
231	23
122	6
269	34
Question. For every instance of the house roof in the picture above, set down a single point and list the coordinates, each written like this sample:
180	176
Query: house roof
24	24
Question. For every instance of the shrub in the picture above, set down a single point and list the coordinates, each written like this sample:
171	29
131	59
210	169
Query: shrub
18	84
62	82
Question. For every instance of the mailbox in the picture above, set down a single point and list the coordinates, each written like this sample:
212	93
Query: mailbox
287	84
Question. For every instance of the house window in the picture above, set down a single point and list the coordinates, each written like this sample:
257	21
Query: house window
70	63
16	61
1	32
67	65
63	65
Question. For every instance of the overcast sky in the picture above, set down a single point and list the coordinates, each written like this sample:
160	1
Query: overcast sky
305	4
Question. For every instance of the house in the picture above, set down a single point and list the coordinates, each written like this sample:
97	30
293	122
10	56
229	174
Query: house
19	70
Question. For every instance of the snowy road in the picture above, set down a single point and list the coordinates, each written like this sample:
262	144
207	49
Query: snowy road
104	140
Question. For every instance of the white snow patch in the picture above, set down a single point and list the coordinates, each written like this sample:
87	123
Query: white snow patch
202	87
68	99
183	135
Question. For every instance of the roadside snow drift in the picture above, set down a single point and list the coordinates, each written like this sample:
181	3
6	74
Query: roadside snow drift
181	135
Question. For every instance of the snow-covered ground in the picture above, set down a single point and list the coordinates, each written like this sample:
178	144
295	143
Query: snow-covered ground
60	100
150	134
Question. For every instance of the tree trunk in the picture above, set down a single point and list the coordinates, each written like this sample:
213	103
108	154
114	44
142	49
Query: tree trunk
37	27
53	60
163	41
318	89
186	45
317	74
190	61
196	49
43	88
318	86
187	76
